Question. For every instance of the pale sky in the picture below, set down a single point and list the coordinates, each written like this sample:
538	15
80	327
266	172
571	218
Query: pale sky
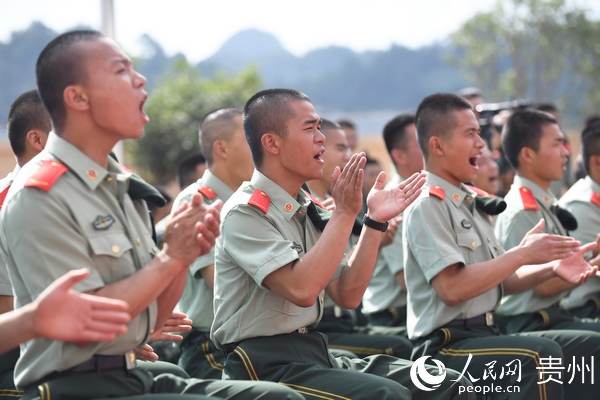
198	28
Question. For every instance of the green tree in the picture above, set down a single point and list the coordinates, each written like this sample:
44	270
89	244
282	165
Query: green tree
176	106
538	49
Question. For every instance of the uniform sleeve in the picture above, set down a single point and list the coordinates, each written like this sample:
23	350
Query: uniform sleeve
255	244
202	262
516	227
392	253
430	237
49	244
5	287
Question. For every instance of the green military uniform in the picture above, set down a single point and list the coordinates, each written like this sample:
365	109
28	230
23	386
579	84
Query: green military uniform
583	201
527	203
442	228
78	214
384	301
9	358
265	335
199	356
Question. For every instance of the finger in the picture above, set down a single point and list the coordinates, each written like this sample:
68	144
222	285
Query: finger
587	247
348	164
197	199
414	185
349	170
538	228
409	180
111	316
182	207
87	335
178	315
70	279
216	207
105	303
358	174
106	327
380	181
176	328
335	176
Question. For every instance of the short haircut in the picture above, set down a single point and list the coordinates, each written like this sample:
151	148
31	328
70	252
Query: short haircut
216	125
547	107
434	116
394	132
523	129
59	65
328	125
346	124
26	113
268	111
590	143
186	169
469	93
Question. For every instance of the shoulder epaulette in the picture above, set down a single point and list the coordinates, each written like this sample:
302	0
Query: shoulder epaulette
260	200
3	195
437	191
528	199
46	176
595	199
207	192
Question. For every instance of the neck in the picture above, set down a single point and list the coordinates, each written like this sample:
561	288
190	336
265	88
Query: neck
319	188
97	150
24	159
221	171
595	177
291	183
403	171
543	183
442	173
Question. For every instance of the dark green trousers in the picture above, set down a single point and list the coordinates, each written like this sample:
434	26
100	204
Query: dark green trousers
302	362
200	357
162	367
548	318
389	317
137	383
7	366
342	334
591	309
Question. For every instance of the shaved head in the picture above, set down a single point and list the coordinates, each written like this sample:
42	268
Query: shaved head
217	125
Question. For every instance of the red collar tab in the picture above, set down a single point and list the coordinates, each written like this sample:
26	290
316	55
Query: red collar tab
260	200
47	175
596	198
207	192
3	195
528	199
437	191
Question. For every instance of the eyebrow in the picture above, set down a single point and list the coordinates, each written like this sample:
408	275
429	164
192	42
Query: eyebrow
120	60
312	121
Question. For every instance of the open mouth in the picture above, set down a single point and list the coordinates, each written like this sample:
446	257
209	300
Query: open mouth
473	162
141	107
319	156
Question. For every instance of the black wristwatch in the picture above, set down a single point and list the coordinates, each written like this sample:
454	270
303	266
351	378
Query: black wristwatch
371	223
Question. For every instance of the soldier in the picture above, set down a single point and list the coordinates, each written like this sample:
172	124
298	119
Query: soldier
384	301
456	271
75	196
272	265
28	127
583	201
223	143
535	146
336	322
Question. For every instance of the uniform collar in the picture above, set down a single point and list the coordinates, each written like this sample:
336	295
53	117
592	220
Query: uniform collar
456	194
592	184
83	166
544	196
212	181
280	199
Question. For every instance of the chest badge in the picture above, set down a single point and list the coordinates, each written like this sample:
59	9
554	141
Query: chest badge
466	224
103	222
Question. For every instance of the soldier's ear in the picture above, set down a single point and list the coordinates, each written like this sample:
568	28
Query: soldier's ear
271	143
35	139
435	146
75	98
219	149
398	156
526	156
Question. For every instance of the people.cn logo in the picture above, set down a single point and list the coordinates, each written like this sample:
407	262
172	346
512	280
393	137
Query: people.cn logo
421	378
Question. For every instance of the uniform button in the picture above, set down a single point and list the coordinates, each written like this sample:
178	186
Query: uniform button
288	207
456	197
473	244
115	248
138	241
109	178
91	174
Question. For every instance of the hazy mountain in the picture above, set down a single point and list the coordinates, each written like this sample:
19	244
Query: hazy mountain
336	78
